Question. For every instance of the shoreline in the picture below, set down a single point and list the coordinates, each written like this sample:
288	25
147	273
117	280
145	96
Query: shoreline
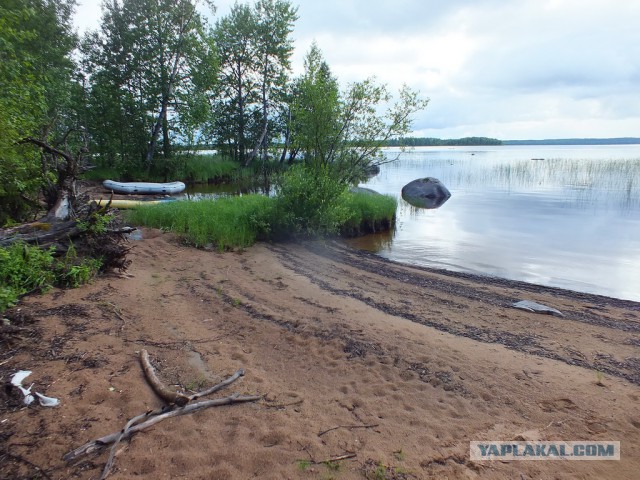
512	283
396	368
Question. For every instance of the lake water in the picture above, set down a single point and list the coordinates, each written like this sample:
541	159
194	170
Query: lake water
562	216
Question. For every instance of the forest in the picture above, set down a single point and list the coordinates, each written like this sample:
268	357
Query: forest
133	98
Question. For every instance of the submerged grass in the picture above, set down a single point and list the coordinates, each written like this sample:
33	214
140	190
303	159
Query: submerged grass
209	169
368	213
232	222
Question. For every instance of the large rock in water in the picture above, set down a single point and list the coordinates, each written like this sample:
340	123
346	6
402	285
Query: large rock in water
425	193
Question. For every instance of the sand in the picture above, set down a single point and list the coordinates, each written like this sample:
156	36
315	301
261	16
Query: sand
410	364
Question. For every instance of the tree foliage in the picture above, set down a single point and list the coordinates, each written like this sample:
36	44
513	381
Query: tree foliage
36	41
149	70
315	110
255	48
155	76
346	129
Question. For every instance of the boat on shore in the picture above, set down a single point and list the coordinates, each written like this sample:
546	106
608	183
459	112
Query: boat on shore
144	188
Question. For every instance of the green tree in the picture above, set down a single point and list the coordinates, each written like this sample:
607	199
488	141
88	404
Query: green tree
315	110
255	48
38	94
346	130
236	93
150	68
275	19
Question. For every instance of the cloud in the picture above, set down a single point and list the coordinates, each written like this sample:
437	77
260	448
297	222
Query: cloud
532	68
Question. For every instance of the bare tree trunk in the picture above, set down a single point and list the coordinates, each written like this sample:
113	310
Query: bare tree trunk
155	132
287	138
256	147
265	122
68	172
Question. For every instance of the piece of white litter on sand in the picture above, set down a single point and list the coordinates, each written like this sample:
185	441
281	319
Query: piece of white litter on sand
18	377
47	401
534	307
28	398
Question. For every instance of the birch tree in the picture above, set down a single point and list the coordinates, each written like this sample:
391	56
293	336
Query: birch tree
255	48
149	67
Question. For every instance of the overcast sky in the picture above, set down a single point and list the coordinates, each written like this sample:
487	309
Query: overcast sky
510	69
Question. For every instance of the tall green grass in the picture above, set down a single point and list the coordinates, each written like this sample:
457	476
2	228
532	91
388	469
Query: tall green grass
208	168
225	222
231	222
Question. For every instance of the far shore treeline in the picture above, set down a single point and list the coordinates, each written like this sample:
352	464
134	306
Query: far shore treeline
439	142
480	141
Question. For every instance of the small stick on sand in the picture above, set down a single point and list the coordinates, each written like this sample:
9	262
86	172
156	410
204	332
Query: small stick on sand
350	427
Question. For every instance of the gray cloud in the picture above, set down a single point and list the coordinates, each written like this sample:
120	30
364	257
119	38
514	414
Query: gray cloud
533	68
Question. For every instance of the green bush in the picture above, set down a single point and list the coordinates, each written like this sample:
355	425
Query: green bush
310	201
22	269
73	271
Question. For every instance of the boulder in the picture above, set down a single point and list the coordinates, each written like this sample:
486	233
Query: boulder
425	193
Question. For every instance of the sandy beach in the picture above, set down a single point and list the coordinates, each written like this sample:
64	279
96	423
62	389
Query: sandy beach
390	369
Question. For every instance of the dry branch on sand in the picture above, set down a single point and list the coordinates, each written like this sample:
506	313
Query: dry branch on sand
178	406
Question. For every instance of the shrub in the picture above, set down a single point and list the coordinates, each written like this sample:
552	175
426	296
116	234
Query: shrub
25	268
22	269
310	201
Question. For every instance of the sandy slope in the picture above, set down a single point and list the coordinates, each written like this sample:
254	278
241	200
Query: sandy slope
421	361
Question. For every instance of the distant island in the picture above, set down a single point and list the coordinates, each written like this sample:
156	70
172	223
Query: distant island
576	141
440	142
484	141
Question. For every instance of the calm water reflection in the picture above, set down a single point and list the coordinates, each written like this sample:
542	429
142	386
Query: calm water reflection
570	218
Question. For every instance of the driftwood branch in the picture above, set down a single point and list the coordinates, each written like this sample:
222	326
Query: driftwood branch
281	406
150	418
339	457
42	233
160	388
219	386
154	417
47	148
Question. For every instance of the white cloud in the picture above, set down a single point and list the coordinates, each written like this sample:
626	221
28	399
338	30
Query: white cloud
517	69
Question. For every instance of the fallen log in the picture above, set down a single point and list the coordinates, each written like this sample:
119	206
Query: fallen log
161	390
43	234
